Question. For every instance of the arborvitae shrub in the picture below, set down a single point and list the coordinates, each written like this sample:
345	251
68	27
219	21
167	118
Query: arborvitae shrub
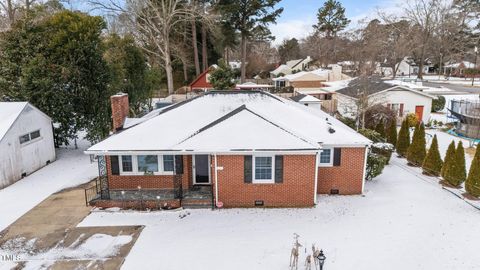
416	151
433	162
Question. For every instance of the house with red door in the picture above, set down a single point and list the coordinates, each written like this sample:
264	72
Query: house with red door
227	149
401	98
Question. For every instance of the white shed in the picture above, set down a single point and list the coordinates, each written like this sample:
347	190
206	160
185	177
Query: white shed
26	141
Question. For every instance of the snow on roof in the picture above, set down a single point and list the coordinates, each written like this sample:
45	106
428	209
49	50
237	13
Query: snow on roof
467	64
175	128
280	69
290	77
9	112
404	83
305	98
250	85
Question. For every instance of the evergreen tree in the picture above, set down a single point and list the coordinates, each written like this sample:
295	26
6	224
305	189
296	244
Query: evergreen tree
433	162
472	185
416	151
392	133
222	77
449	159
403	141
380	128
331	18
251	19
456	174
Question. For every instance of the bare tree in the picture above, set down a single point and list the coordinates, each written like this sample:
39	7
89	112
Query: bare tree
426	15
155	24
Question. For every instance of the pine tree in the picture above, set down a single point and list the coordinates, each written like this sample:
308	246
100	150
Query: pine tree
416	151
458	174
472	185
403	141
433	162
392	133
449	159
380	128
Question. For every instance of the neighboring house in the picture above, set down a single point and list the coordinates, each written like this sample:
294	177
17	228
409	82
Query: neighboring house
400	98
202	83
308	100
406	67
26	141
235	64
229	149
457	68
291	66
253	86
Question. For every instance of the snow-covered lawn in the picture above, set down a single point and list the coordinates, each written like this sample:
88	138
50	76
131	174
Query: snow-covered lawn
71	168
402	222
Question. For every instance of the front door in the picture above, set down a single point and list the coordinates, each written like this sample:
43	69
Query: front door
419	112
201	170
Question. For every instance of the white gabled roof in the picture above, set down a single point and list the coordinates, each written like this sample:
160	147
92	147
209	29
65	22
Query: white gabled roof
191	126
9	112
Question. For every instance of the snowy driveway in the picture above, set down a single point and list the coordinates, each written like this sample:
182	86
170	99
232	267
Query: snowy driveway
71	168
402	222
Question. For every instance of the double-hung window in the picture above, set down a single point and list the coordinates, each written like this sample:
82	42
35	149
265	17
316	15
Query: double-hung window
263	168
326	157
127	164
168	163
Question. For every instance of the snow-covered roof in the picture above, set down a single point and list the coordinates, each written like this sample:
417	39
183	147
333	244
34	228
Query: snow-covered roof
305	98
252	85
292	77
9	112
230	121
280	69
467	64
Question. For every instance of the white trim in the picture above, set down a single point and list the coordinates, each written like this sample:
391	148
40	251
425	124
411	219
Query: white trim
263	181
312	151
135	171
317	157
216	179
364	169
194	178
330	164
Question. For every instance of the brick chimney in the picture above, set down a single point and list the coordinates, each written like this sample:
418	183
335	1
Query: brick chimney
120	110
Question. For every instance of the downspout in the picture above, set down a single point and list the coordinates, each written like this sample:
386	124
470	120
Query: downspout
216	179
316	179
364	168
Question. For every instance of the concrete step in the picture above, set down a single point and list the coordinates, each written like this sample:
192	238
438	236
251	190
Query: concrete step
196	204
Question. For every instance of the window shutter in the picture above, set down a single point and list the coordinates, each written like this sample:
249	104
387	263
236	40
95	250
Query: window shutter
337	156
179	164
278	169
114	166
247	169
401	109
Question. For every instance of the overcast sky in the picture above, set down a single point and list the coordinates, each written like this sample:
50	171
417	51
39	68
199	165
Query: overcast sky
299	15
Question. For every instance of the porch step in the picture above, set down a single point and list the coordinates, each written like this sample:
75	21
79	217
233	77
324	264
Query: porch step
196	204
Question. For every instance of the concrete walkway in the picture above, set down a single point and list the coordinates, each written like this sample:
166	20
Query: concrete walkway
52	224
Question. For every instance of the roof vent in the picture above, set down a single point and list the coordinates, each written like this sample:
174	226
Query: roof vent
331	130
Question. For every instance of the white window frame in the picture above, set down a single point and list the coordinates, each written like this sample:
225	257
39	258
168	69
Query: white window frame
263	181
135	166
30	140
330	164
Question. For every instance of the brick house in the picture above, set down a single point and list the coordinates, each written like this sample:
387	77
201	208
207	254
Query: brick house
230	149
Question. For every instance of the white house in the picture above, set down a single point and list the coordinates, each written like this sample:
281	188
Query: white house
406	67
26	141
291	66
308	100
400	98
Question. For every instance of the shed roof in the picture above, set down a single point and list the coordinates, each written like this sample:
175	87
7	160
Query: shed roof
9	112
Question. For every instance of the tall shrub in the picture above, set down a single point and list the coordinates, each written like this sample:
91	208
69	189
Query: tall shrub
472	185
416	151
449	159
403	141
392	133
433	162
380	128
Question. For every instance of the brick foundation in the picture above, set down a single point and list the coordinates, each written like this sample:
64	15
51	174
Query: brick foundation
348	177
141	205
